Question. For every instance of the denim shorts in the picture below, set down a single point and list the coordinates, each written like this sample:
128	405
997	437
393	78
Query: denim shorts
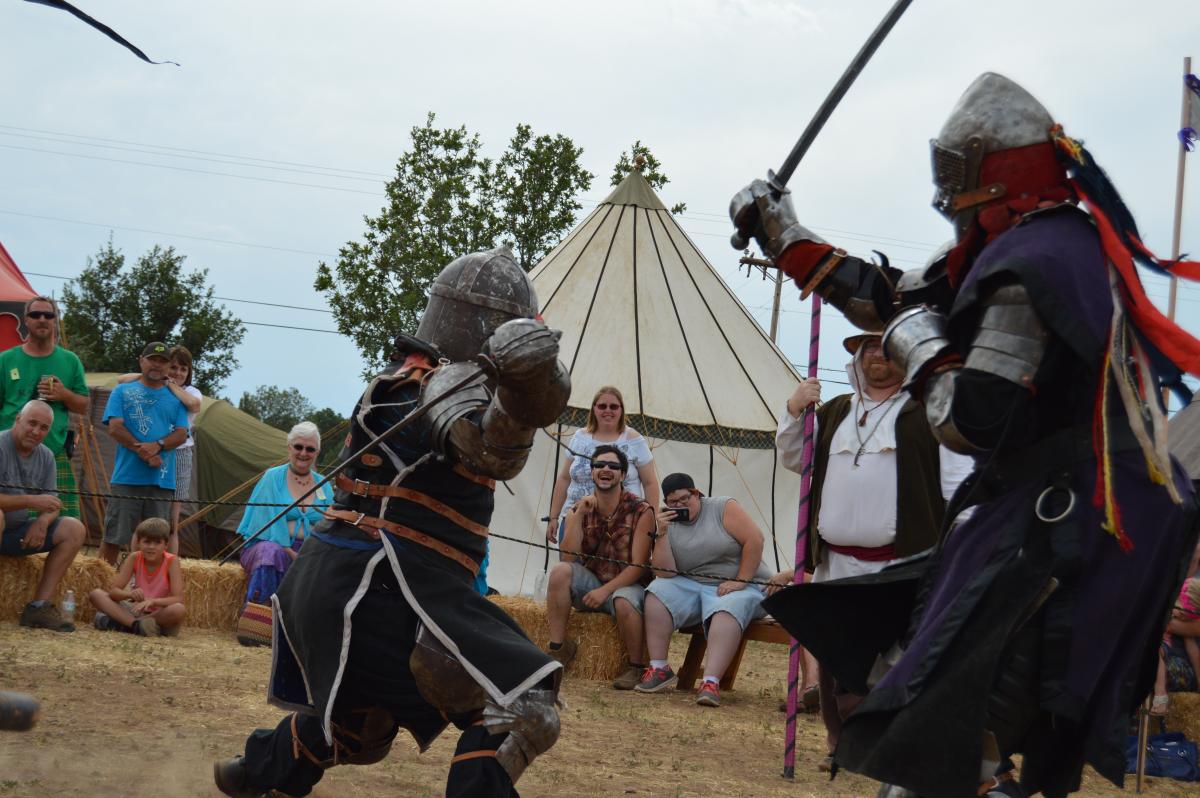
691	602
10	541
584	581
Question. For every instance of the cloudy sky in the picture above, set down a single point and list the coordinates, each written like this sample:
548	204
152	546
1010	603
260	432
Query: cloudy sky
260	155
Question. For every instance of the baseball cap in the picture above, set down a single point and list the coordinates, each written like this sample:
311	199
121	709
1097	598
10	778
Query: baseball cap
677	481
156	349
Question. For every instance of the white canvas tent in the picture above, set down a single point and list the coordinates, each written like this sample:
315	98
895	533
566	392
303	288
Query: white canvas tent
641	308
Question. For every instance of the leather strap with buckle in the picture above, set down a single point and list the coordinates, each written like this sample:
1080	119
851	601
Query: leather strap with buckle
372	526
371	490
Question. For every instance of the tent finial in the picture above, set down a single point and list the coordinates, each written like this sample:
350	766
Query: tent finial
639	162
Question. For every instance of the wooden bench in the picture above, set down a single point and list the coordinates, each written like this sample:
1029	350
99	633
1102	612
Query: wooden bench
766	631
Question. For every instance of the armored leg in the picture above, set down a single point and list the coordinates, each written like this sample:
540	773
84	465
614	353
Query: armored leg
531	722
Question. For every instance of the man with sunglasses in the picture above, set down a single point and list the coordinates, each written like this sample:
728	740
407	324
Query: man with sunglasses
41	369
148	423
610	524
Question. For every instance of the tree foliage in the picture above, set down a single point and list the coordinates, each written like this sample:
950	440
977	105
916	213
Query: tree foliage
448	200
110	313
651	169
284	408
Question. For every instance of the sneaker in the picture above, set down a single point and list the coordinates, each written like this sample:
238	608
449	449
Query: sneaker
565	653
709	694
655	679
146	627
104	623
629	677
46	616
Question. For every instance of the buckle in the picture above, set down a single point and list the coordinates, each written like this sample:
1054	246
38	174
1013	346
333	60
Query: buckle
365	488
358	520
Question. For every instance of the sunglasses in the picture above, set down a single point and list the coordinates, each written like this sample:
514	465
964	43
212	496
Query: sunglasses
609	464
300	447
605	406
40	314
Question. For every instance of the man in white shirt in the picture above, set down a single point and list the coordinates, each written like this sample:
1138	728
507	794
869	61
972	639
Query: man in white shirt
880	483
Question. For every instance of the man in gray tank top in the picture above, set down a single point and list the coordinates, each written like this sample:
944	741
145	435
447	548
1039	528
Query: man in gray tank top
714	541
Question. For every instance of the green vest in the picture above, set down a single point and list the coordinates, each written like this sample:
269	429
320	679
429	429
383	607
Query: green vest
920	506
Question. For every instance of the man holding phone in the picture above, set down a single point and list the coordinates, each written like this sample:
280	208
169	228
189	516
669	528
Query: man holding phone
41	369
610	530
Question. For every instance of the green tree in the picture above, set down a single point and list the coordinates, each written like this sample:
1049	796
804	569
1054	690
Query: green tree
447	200
649	166
110	313
284	408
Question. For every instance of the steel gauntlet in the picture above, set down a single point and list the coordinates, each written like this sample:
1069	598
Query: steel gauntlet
763	210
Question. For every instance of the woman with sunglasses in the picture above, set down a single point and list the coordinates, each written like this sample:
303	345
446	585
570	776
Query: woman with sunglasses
267	557
605	424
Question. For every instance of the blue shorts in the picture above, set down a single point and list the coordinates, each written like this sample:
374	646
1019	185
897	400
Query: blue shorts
10	544
691	602
584	581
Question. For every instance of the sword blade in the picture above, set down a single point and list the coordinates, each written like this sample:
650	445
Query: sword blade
839	90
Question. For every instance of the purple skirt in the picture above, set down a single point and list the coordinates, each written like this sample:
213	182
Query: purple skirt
266	563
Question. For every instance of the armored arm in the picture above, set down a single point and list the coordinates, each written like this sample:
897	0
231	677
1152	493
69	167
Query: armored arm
967	400
862	290
490	427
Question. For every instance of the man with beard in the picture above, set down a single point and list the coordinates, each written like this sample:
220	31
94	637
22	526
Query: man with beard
879	486
610	524
1033	346
378	624
41	369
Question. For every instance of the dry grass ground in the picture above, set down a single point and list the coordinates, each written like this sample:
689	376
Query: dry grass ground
130	717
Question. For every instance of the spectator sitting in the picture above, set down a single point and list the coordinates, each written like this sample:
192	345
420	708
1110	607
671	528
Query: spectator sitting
179	382
267	557
713	536
148	422
615	524
1179	655
25	461
605	424
146	595
41	369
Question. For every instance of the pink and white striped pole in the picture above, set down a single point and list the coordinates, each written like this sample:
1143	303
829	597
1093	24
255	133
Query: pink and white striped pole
810	418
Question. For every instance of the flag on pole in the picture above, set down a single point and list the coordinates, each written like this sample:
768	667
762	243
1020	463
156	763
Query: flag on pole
1189	134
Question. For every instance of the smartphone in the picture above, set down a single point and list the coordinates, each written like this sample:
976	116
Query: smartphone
682	514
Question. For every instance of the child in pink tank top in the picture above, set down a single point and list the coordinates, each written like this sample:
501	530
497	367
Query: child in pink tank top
146	595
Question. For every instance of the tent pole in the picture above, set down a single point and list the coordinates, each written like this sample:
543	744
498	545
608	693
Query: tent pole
810	416
553	482
774	538
1184	119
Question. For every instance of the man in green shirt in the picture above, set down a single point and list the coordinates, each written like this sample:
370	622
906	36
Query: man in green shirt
41	369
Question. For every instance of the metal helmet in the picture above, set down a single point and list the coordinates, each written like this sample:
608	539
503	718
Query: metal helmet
993	114
473	296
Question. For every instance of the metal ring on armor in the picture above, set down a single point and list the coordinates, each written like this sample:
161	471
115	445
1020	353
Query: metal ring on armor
1040	510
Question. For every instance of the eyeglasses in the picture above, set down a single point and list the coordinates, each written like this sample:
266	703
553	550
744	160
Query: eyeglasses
609	464
678	501
40	314
606	406
300	447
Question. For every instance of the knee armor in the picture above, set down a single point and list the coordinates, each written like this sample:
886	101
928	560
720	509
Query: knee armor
532	724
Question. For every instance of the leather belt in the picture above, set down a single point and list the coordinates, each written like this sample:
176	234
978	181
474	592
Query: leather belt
374	491
372	526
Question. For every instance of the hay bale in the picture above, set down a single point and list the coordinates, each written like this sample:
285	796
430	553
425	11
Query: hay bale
1184	715
19	577
601	652
213	593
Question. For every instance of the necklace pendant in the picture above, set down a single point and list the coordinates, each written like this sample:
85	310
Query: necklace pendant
862	421
857	455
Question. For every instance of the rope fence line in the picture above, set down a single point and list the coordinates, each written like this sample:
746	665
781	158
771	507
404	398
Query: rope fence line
34	491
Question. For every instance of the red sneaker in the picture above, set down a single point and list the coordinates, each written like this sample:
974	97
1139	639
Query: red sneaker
709	694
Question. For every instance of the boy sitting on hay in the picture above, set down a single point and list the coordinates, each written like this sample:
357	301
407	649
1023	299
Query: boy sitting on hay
153	604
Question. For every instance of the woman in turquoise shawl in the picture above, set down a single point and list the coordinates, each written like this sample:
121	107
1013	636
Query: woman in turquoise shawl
267	558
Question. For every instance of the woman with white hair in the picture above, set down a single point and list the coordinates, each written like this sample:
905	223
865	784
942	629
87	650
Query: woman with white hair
267	557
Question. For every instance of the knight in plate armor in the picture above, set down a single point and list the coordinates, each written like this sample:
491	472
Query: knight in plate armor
378	625
1032	628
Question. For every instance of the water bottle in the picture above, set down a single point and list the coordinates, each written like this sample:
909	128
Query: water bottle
68	606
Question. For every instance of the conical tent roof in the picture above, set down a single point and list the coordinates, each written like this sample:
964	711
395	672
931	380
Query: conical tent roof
642	309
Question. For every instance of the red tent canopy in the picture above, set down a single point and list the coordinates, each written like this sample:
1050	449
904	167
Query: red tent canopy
15	291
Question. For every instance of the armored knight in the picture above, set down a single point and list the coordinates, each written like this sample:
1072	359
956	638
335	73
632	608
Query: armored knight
1034	624
378	625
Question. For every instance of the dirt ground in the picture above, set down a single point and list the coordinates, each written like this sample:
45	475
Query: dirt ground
130	717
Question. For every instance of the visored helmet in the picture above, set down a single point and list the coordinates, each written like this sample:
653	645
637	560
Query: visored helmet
473	296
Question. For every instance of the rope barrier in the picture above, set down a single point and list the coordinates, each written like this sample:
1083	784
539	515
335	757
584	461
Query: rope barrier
33	491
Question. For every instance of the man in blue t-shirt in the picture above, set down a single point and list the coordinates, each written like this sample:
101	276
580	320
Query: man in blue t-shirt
148	423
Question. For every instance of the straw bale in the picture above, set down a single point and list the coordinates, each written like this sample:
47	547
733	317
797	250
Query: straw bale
19	577
1184	715
601	652
213	593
